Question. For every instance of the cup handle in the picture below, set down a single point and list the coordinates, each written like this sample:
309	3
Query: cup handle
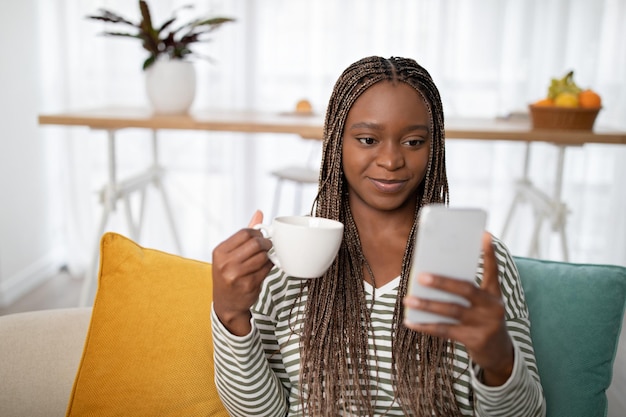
267	232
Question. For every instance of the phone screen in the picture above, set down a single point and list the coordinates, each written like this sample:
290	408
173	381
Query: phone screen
448	243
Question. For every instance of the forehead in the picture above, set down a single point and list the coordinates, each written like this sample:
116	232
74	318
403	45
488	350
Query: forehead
390	99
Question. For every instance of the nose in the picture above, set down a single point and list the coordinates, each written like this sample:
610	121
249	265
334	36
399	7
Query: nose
390	157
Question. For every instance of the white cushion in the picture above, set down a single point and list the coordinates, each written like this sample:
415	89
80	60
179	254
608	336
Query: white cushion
298	174
39	356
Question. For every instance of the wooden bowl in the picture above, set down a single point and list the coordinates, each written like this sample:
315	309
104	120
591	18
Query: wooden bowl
564	118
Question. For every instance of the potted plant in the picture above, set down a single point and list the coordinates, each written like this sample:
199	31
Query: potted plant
170	77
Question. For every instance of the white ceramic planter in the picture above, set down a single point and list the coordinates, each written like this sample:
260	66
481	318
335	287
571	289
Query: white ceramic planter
171	86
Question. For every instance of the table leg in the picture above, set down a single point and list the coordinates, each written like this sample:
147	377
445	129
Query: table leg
520	186
92	269
544	206
169	213
108	199
133	229
559	219
534	249
110	193
115	190
158	183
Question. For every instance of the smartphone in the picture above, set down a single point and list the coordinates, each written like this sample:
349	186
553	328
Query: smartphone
448	243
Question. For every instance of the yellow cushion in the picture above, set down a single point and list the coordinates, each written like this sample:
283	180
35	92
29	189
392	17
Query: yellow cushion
149	350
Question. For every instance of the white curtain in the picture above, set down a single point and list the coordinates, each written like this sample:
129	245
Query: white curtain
488	57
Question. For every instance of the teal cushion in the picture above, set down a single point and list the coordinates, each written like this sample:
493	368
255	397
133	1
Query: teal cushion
576	314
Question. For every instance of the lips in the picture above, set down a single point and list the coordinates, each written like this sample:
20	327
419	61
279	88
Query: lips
388	186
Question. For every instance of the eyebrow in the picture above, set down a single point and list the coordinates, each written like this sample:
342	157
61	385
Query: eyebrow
377	126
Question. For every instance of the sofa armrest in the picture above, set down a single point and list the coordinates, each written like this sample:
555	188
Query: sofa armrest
40	353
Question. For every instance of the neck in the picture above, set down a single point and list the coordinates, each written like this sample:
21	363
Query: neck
384	238
373	222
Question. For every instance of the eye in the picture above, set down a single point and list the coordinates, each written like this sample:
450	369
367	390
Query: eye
415	142
367	141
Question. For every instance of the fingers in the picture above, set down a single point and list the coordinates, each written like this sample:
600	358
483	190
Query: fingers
477	303
490	281
257	218
242	253
240	238
480	326
465	289
448	309
477	297
251	256
240	264
453	308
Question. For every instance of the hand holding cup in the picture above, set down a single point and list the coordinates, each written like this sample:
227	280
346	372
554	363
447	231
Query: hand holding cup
240	264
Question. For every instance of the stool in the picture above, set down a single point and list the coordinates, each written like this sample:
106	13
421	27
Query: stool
300	176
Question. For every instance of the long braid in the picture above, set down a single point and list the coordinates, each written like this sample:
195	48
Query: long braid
334	343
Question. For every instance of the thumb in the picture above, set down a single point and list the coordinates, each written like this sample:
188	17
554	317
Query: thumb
257	218
490	266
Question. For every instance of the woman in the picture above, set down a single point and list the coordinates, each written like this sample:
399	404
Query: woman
338	345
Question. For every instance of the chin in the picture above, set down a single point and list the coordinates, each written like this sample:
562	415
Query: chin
393	203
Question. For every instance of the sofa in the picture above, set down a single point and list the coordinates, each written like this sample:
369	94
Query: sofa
40	352
144	348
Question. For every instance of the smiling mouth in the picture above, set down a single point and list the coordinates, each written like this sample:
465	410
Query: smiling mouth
388	186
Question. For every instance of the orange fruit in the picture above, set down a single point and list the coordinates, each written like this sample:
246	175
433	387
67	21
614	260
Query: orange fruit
544	102
566	100
589	99
304	106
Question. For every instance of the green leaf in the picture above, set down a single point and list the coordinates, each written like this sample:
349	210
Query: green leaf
215	21
122	34
166	24
148	62
175	43
110	17
146	22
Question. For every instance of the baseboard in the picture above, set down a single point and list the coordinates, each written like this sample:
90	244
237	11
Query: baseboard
19	284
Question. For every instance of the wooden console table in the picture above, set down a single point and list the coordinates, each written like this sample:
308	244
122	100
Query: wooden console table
546	207
311	126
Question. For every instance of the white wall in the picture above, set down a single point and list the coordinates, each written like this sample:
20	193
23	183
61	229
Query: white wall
27	250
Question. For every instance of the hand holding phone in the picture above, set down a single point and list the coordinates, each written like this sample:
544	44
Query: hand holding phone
448	243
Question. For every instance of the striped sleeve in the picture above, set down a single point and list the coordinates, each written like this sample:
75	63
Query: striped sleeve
244	379
522	394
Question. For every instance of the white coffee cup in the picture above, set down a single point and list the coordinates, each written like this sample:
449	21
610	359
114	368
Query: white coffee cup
303	246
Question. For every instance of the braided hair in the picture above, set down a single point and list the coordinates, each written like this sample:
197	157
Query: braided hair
334	343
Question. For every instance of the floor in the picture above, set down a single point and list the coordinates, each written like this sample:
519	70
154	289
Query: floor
62	291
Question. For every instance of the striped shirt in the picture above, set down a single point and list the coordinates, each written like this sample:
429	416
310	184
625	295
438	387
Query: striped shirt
258	374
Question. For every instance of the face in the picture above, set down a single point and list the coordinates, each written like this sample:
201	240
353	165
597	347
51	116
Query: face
386	147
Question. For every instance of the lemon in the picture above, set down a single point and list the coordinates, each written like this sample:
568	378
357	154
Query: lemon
566	100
